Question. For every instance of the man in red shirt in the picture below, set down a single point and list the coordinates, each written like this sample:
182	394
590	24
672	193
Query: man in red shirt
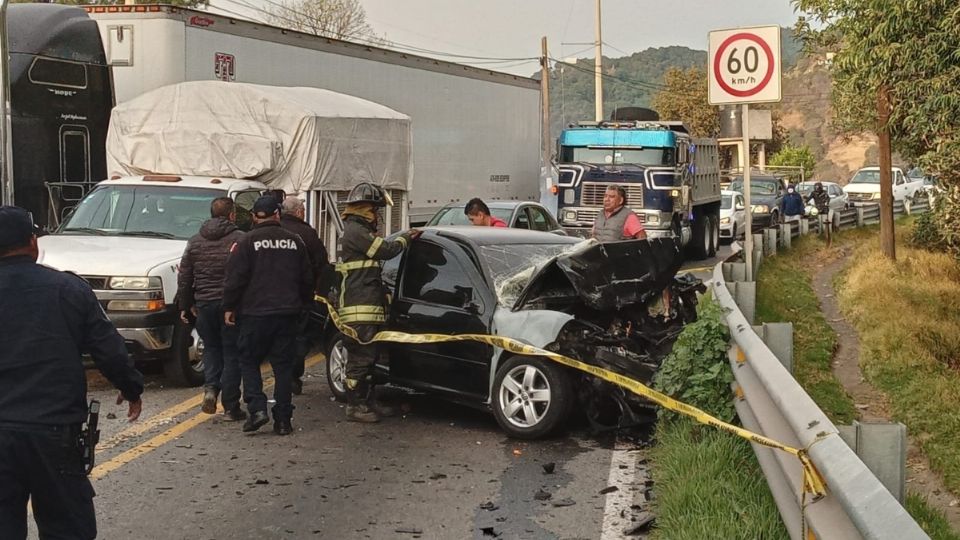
479	214
617	222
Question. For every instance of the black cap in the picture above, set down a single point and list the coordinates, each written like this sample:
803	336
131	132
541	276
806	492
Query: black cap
266	206
16	227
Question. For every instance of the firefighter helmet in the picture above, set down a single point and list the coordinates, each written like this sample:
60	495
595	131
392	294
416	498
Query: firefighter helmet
369	193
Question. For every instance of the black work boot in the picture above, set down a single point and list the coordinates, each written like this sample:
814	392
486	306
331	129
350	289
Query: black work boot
210	396
257	420
385	408
282	426
357	409
234	414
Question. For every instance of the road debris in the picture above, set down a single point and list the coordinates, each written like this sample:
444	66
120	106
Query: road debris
548	468
408	530
563	502
489	506
609	489
542	495
642	524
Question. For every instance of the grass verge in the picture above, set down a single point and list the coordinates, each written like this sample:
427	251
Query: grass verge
709	485
708	482
930	520
907	313
785	293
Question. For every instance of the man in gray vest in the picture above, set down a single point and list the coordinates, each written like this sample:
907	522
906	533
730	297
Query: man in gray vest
617	222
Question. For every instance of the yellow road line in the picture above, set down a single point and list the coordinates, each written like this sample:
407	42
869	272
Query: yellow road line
162	417
166	436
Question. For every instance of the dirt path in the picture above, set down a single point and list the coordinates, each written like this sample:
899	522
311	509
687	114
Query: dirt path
872	404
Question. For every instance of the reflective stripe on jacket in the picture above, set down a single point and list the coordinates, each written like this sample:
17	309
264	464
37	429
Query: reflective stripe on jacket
361	289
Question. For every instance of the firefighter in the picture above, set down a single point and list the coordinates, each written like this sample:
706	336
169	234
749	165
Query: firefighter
362	297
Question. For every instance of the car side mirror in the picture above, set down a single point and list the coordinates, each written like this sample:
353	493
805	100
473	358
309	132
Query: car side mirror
739	207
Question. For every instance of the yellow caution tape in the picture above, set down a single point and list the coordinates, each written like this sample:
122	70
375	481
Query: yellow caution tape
813	483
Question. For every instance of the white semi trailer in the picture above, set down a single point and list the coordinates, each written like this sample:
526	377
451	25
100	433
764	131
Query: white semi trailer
475	132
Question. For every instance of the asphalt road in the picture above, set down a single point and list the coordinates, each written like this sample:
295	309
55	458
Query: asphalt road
440	471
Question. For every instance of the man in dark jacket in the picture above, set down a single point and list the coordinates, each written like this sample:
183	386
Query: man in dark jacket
292	219
792	205
48	319
268	284
361	304
200	294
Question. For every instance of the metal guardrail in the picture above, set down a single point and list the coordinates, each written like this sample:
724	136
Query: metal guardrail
772	403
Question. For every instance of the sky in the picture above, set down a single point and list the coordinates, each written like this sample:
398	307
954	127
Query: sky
494	30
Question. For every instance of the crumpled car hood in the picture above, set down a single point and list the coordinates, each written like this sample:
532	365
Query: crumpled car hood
607	276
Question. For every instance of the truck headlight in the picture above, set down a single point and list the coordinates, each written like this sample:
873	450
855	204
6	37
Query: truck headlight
876	196
724	221
137	283
653	219
135	305
569	215
761	209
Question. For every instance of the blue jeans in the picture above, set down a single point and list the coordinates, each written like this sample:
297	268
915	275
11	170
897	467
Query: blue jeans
270	338
221	363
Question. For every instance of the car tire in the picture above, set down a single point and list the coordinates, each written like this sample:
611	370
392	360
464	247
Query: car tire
714	236
183	364
532	397
336	366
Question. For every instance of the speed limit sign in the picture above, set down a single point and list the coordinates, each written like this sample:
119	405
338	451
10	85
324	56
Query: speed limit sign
744	66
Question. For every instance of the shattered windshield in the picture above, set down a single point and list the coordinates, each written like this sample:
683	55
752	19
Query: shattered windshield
512	265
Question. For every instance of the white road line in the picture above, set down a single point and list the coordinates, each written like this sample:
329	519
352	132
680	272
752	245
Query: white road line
628	476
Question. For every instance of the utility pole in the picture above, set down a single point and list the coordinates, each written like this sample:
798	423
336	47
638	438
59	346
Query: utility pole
545	147
598	70
888	244
6	150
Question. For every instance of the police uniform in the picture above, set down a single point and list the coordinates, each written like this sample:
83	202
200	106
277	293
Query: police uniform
48	319
268	283
362	297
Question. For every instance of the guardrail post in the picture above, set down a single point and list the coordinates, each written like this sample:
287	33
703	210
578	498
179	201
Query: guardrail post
779	339
859	217
786	234
882	446
804	227
758	251
745	295
770	242
735	271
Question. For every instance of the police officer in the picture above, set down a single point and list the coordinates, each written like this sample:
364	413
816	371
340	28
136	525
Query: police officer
362	299
47	320
292	219
268	284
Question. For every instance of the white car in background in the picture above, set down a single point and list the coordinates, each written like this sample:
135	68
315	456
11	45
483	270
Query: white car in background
733	216
864	187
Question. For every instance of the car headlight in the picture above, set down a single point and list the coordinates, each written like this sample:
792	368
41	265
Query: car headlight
876	197
137	283
135	305
724	221
653	219
569	215
760	209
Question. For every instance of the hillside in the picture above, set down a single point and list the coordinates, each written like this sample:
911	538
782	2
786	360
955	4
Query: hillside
635	79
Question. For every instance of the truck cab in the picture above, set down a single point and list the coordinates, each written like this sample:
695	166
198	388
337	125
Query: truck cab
126	238
672	180
864	187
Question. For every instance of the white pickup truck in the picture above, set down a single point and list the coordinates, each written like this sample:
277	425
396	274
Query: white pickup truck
864	187
126	238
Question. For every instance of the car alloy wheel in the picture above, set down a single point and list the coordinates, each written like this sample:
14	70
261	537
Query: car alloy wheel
337	368
524	396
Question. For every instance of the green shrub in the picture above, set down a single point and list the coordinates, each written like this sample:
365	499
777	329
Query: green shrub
697	372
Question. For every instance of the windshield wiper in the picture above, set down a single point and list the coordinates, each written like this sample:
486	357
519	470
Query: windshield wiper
99	232
152	234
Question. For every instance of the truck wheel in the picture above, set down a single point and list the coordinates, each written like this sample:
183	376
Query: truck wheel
700	239
714	236
337	367
531	397
183	365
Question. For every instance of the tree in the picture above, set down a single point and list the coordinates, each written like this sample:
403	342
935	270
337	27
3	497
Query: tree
896	73
795	156
339	19
684	98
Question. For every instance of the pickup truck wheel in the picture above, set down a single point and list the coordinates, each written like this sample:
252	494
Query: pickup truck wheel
531	397
183	365
337	367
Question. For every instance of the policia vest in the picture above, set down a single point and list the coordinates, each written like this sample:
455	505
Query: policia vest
361	289
610	229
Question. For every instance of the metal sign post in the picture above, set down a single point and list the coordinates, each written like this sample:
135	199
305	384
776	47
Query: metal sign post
744	68
6	152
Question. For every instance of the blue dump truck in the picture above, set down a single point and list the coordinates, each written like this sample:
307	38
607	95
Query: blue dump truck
672	179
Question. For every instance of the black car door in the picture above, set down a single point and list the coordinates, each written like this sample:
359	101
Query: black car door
441	291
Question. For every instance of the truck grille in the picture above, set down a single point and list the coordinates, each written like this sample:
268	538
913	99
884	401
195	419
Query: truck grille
589	215
96	282
860	196
591	193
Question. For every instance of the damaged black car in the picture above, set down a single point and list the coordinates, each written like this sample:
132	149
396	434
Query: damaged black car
619	306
